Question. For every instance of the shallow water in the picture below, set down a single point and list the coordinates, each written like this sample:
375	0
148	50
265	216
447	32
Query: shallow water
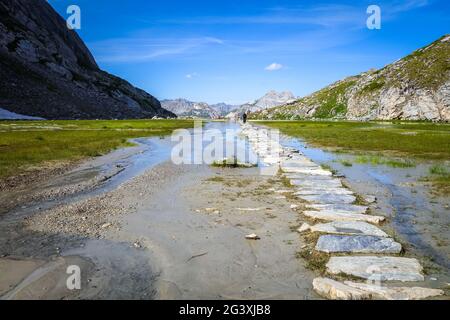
420	220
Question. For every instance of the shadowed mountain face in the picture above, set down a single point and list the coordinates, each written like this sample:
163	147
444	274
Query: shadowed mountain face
47	71
416	87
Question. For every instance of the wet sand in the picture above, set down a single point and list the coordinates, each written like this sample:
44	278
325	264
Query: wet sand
161	232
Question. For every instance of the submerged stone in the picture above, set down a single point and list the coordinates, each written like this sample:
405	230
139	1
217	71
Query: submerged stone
357	244
377	268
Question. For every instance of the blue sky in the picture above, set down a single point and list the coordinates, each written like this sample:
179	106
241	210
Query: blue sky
235	51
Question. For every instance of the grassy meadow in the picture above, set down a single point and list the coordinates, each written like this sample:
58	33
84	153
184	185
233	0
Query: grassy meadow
31	144
396	144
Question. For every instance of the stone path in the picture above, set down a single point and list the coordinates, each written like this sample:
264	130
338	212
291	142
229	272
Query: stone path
349	229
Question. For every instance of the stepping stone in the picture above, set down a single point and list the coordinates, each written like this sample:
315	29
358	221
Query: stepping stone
299	176
332	183
335	290
395	293
311	171
329	198
340	208
342	216
377	268
349	228
318	191
357	244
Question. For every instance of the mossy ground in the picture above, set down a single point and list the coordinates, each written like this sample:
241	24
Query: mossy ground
25	144
395	144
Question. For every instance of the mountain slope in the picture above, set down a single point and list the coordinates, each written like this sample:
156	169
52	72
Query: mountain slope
416	87
269	100
47	71
188	109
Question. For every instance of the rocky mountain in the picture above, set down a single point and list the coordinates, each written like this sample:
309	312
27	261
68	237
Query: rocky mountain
269	100
223	109
47	71
188	109
416	87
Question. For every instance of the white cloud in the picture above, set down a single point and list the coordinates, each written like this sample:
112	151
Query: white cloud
274	67
191	75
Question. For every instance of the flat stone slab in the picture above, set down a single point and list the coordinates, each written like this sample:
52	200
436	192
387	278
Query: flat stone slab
331	183
357	244
395	293
324	190
349	228
341	208
299	176
329	198
335	290
307	170
377	268
342	216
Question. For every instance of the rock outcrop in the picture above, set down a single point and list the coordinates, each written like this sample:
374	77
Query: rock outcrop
416	87
47	71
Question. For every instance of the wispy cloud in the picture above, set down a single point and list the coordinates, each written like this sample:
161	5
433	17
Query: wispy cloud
141	49
325	15
191	75
274	67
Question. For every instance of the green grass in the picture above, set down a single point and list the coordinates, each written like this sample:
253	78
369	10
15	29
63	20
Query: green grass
346	163
421	140
28	145
440	179
231	163
377	160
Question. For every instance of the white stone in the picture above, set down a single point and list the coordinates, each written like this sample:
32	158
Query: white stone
329	198
377	268
309	170
335	290
324	190
317	183
252	237
349	228
340	216
339	208
303	228
396	293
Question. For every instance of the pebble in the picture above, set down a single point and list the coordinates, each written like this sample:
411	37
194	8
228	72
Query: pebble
252	237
